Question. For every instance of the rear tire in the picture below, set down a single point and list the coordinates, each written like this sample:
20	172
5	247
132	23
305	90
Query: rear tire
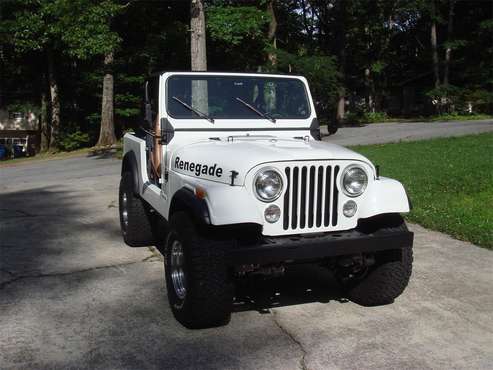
385	281
199	286
135	215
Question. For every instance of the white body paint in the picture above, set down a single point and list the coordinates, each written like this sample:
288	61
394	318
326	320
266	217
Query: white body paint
246	146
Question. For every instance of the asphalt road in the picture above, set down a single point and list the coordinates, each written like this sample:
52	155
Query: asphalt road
72	295
378	133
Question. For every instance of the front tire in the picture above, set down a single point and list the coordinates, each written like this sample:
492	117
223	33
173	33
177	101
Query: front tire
389	277
135	215
199	286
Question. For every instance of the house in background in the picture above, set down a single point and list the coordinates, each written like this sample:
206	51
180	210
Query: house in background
19	128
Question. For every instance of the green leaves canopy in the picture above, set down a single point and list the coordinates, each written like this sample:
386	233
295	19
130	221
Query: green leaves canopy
236	24
79	28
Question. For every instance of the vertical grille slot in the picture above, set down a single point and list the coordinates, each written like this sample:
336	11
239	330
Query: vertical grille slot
311	197
303	189
335	197
328	195
320	194
294	202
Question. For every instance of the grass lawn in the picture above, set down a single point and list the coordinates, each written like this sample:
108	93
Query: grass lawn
450	182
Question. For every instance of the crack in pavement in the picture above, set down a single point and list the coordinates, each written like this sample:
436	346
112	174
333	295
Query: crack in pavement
35	276
293	339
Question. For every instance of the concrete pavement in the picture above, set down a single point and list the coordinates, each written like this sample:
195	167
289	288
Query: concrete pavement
72	295
379	133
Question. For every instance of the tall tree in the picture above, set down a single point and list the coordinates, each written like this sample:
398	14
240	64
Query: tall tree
198	54
434	44
43	119
54	100
271	56
448	47
107	135
33	30
48	28
93	36
198	36
341	45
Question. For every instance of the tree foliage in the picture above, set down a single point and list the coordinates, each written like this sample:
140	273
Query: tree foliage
376	56
234	25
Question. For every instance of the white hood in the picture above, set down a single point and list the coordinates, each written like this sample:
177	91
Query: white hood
216	159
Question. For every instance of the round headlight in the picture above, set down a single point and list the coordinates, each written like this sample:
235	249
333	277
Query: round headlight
349	208
272	213
354	181
268	185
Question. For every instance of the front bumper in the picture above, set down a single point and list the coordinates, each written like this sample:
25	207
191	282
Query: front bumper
318	246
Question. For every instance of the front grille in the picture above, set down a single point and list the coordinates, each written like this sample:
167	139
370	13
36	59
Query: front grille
311	197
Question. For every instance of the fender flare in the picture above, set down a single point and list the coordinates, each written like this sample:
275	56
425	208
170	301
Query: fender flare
185	200
129	164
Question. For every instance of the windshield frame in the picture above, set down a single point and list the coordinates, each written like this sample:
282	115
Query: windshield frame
238	75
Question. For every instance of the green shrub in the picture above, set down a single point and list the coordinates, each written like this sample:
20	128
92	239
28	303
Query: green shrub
73	140
455	100
365	117
372	117
454	116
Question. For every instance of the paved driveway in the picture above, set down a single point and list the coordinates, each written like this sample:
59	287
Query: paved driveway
72	295
378	133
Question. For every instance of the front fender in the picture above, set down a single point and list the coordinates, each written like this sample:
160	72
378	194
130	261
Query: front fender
227	204
385	196
232	205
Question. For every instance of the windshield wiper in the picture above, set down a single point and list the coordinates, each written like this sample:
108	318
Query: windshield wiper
196	111
261	114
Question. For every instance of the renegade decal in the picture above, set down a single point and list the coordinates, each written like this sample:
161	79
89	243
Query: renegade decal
198	169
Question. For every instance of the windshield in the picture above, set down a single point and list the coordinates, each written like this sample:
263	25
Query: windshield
236	97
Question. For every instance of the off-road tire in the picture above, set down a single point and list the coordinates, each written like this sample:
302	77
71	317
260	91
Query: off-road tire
209	288
386	280
137	231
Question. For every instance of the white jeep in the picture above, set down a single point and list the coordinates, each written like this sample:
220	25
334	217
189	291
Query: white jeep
228	176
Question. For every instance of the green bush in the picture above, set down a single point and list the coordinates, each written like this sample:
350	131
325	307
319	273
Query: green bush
73	140
459	117
365	117
372	117
450	100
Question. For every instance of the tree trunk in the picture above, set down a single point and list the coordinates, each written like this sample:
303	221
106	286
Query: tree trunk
54	102
107	133
448	50
368	75
198	41
370	107
434	48
341	106
198	55
44	129
271	35
341	41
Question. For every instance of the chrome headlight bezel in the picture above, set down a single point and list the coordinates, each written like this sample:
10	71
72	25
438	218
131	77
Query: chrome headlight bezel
346	171
263	172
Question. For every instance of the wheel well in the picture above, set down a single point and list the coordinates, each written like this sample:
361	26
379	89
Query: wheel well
129	164
184	200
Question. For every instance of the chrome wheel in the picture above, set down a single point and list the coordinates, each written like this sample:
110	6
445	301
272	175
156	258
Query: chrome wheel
177	270
124	211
